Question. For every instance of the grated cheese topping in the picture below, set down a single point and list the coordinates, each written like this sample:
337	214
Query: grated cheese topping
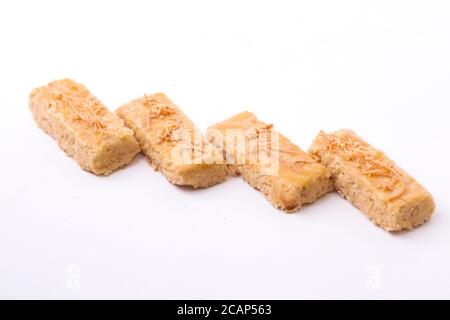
161	110
169	133
370	162
289	155
157	109
86	111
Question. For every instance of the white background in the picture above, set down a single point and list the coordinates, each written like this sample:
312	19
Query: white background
381	68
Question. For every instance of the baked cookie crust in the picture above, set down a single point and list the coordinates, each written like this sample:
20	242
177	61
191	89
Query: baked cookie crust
172	143
271	163
83	127
365	176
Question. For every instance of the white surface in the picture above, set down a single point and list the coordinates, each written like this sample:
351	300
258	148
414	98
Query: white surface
381	68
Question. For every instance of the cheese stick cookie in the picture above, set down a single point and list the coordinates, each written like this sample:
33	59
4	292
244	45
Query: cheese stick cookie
365	176
171	142
268	161
83	127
